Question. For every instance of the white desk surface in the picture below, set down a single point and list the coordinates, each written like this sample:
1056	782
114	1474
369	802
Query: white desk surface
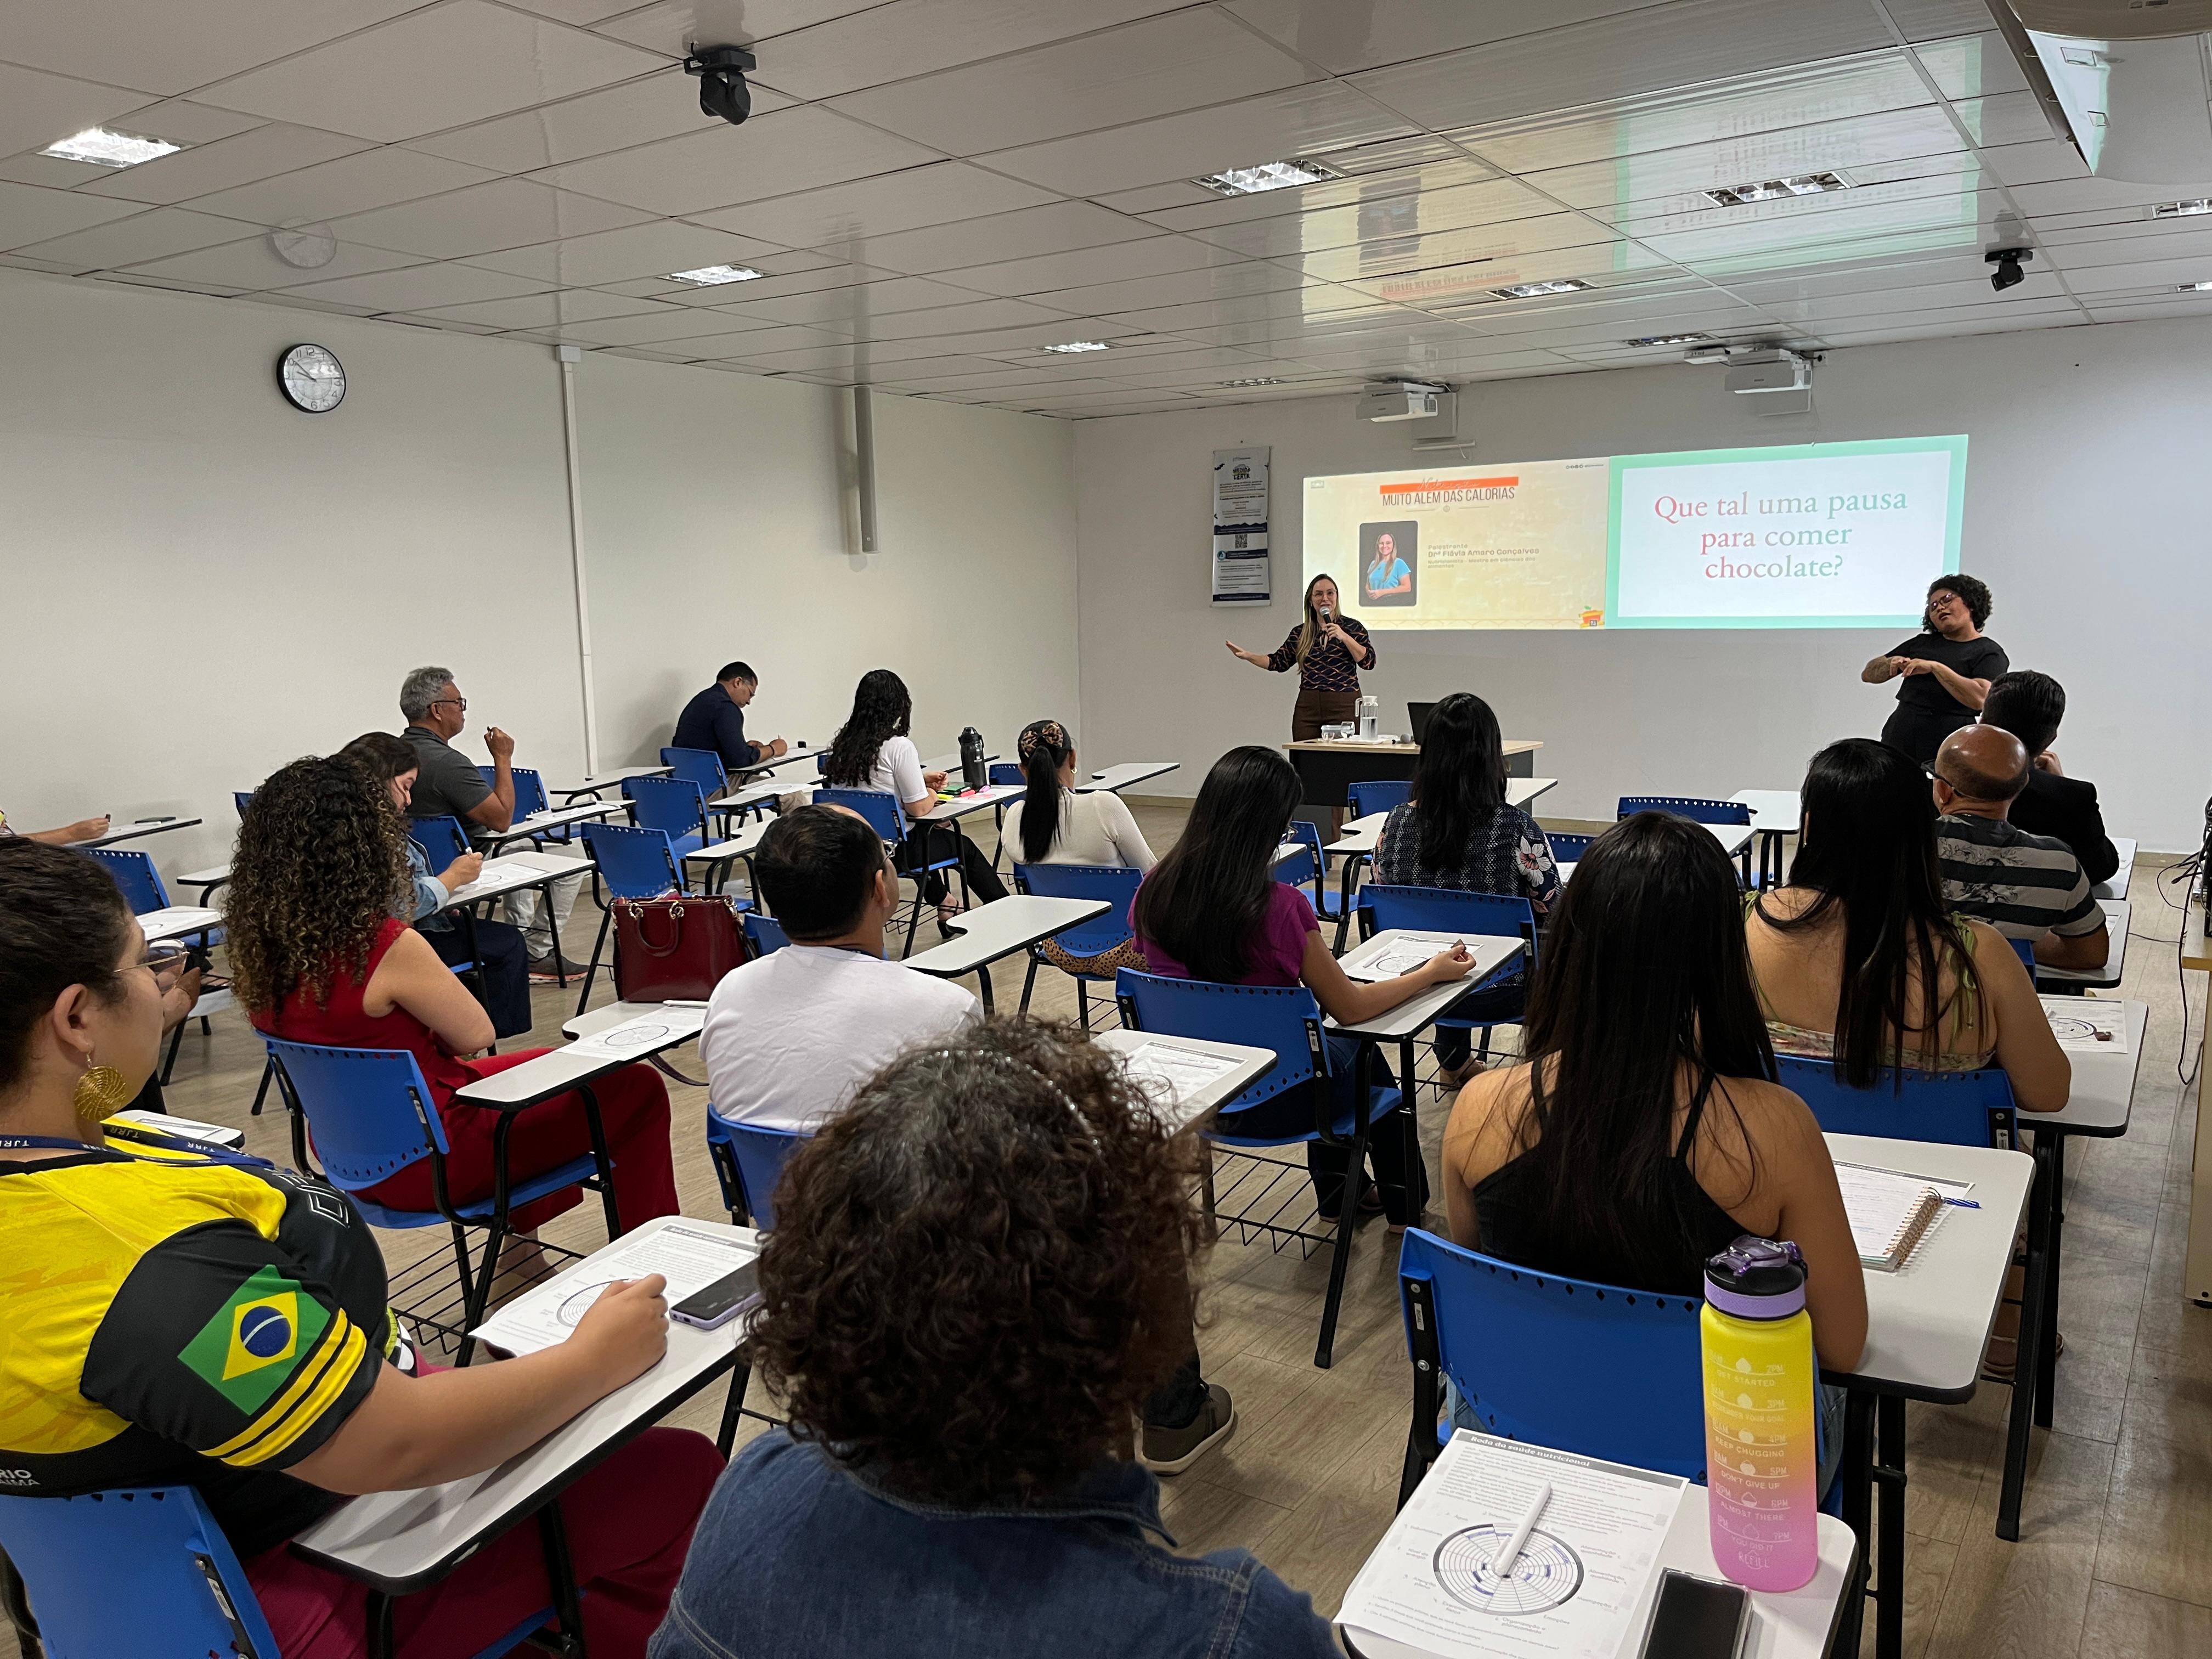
1118	778
747	838
2117	887
1001	928
1795	1624
559	818
1733	837
997	794
1523	792
1775	811
2117	915
615	779
399	1540
1416	1013
2103	1085
134	830
1928	1323
514	872
791	757
215	875
1185	1109
558	1069
752	795
178	921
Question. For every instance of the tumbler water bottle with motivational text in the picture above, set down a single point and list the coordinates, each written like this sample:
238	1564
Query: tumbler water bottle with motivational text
1762	1463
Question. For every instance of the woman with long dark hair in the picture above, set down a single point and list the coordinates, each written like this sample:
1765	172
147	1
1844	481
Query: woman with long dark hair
873	750
1213	909
1456	832
1053	824
1858	959
1644	1133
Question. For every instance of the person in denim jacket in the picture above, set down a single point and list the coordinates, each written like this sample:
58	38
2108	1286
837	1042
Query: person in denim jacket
980	1271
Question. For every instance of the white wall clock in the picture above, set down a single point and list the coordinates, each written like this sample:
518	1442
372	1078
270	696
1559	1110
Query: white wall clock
312	379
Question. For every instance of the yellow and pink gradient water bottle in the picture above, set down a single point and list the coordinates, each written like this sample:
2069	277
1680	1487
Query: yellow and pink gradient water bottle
1762	1464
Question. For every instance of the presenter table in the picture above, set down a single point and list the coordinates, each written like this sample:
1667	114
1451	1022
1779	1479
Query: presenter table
1326	765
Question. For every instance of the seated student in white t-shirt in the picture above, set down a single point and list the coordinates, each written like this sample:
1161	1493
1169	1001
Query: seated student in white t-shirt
872	751
792	1035
1053	824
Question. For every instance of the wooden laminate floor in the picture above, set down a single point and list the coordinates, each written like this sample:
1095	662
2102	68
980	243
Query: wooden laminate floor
2115	1556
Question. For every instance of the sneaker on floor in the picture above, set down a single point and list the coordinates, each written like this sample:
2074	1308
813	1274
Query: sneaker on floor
1170	1451
542	970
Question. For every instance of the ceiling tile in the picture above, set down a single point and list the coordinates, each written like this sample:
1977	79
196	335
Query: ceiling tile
168	48
660	106
136	279
1153	199
2074	195
1972	65
669	323
261	152
1054	229
543	310
672	26
352	184
1330	193
504	213
2086	279
131	242
421	287
2047	160
1180	288
1155	256
841	306
793	150
613	256
1384	256
447	63
579	12
296	303
1344	38
1143	70
36	108
1386	220
29	214
1298	121
943	321
823	274
2005	117
253	264
847	216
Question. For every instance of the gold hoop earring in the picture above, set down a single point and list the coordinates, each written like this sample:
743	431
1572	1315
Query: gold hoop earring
100	1094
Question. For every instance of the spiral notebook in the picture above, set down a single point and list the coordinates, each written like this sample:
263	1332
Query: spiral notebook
1890	1213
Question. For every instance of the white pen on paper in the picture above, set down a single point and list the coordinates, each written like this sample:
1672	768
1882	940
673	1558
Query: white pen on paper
1501	1565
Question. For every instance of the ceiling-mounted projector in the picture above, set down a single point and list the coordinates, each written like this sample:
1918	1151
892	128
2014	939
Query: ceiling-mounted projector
2129	78
1400	400
1778	369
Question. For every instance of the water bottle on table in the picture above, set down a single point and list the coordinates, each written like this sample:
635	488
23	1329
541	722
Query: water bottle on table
1762	1463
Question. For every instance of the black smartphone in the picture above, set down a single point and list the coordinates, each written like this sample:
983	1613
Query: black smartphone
1695	1618
721	1301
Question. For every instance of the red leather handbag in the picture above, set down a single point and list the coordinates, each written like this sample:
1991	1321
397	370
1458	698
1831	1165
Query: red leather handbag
674	949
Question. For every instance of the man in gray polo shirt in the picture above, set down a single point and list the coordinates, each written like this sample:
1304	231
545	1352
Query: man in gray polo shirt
2029	887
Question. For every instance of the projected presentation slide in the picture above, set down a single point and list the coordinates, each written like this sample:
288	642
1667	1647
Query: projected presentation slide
1836	535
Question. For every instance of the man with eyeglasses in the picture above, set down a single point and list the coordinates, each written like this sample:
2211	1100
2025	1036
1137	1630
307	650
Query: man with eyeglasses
449	784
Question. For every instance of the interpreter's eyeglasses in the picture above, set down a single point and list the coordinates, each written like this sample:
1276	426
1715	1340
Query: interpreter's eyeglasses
167	962
461	704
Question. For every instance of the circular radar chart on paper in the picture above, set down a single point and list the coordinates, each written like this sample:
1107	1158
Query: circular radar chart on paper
636	1036
2067	1029
1546	1575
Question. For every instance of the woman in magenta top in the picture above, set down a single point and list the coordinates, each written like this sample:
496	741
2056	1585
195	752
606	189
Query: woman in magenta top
319	956
1212	909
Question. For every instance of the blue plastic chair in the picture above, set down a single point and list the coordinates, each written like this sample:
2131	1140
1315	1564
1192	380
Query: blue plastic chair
1504	997
529	796
700	766
1585	1368
748	1163
1956	1109
675	806
1328	906
372	1115
1567	848
1695	807
763	933
1002	775
1378	794
1288	1106
2025	950
242	799
441	839
886	816
134	874
1116	884
632	864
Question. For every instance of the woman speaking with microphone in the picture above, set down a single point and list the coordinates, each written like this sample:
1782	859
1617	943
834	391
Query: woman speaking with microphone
1328	650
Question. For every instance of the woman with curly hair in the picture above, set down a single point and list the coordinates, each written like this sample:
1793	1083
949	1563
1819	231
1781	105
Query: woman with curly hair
872	751
980	1271
320	955
1947	668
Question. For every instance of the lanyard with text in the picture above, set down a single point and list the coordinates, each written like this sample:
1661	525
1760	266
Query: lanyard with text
57	1143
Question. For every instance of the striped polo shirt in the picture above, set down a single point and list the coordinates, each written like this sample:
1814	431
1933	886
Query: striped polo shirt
2023	885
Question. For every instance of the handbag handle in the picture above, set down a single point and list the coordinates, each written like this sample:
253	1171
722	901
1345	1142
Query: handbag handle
637	915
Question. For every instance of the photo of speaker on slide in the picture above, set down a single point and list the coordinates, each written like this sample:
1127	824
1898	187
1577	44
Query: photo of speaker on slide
1389	554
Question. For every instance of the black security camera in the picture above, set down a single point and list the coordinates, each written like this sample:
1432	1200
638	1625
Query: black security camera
723	92
2007	260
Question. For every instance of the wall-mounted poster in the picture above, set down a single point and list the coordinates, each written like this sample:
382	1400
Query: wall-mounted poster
1240	526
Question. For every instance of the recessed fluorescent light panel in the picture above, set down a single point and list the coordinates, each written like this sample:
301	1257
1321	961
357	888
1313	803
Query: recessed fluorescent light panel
715	275
1269	175
1070	347
104	149
2182	210
1775	190
1531	290
1237	386
2194	288
1667	340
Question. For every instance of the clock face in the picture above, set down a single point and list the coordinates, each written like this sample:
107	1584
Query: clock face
312	378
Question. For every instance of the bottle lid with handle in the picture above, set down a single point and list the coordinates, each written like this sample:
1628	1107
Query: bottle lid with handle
1757	1278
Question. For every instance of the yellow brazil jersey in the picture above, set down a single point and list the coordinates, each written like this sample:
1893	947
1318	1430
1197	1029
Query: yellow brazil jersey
165	1317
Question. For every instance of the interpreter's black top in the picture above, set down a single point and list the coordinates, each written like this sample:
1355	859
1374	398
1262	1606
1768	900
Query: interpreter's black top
1979	659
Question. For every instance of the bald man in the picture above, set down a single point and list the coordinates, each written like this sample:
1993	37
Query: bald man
2029	887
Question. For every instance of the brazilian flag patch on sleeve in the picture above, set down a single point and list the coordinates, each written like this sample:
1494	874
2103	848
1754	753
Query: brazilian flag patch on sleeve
255	1341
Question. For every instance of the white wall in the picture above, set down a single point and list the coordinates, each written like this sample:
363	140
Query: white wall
2086	512
197	583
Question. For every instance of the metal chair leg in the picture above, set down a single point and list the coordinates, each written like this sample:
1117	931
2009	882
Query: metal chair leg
598	945
1029	985
734	1409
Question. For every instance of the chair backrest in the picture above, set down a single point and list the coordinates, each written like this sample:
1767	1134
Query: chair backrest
242	799
529	796
1562	1363
134	874
881	808
442	839
763	933
1566	848
635	864
1958	1108
1444	910
137	1569
1283	1017
749	1161
1686	807
372	1112
2025	950
1299	872
675	806
1116	884
1378	794
700	766
1007	773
